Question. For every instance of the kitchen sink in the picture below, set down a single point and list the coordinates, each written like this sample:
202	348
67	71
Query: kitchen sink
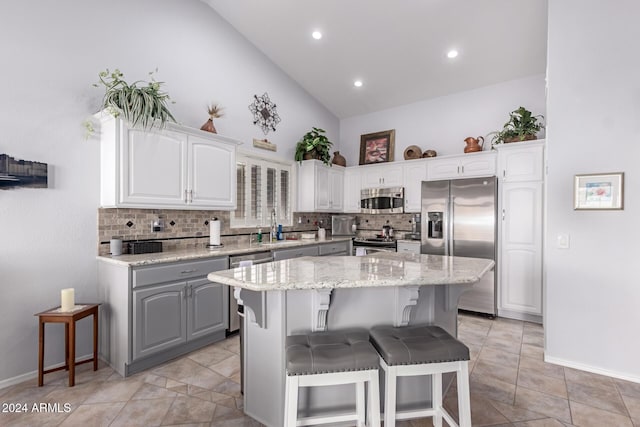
278	243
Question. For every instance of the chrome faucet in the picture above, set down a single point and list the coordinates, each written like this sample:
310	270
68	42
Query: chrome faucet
274	231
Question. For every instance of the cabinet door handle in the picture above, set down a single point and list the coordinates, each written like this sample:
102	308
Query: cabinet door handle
503	214
190	196
188	271
462	167
458	170
186	197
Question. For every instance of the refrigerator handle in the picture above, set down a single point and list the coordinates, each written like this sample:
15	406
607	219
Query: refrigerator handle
452	213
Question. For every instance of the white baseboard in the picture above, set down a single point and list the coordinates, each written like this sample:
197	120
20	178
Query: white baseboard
592	369
534	318
34	374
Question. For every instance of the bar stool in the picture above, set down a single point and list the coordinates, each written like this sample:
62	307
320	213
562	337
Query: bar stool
422	350
332	358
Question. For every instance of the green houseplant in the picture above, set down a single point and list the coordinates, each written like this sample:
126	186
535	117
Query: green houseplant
139	102
522	126
314	145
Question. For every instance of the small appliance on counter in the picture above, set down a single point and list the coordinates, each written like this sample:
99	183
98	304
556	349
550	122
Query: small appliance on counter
144	247
343	225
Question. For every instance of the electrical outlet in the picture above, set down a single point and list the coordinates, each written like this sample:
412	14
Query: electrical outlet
157	225
562	241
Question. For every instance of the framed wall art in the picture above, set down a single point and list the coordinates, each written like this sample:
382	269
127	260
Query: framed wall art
17	173
598	191
377	147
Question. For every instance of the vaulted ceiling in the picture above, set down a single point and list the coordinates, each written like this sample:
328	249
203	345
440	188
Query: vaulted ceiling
398	49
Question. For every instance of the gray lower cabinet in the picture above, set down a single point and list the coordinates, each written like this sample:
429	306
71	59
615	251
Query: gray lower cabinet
155	313
201	319
160	318
172	314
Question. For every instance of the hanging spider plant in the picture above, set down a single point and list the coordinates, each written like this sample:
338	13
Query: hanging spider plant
144	105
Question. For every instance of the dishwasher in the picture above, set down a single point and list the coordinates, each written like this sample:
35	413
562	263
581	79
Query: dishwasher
236	313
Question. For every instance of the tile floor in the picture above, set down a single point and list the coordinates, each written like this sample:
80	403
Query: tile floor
510	386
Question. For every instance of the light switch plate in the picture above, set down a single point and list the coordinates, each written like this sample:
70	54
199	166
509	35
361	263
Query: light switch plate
563	241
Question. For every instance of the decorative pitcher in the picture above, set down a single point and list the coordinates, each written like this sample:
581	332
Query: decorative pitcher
474	144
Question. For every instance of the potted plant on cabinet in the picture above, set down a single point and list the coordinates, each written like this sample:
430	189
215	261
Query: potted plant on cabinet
522	126
314	145
144	104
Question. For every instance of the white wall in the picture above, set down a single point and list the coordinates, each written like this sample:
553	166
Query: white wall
592	289
443	123
51	54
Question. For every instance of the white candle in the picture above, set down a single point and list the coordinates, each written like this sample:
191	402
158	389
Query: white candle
67	299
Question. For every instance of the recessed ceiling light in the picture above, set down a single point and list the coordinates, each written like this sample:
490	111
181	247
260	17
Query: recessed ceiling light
452	54
316	35
357	83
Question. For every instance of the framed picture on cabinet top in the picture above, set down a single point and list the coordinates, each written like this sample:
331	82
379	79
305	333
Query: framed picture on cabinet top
598	191
377	147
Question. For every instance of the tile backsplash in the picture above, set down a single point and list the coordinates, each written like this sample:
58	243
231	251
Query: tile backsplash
184	229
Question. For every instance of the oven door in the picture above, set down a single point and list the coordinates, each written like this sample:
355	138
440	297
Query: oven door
367	250
372	249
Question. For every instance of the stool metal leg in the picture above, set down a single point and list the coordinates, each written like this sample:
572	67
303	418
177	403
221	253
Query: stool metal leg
436	398
360	409
464	401
291	401
390	377
373	400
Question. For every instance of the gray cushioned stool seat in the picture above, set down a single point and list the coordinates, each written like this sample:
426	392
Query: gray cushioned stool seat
324	352
417	344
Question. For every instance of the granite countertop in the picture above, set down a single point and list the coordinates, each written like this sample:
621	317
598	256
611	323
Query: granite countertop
201	253
376	270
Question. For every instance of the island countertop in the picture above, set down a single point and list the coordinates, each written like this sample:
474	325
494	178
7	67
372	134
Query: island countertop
382	269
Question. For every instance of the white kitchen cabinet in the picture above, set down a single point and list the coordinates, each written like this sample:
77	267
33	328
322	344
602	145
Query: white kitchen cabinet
415	171
521	161
172	168
320	187
521	189
352	187
466	165
384	175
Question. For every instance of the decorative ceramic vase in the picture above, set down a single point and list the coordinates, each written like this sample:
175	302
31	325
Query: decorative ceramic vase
412	152
309	155
474	144
429	153
338	159
208	126
516	139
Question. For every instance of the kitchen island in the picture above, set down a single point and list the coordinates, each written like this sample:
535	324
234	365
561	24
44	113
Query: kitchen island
314	294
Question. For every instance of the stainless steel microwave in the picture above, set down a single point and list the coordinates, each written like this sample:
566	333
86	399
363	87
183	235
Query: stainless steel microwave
382	200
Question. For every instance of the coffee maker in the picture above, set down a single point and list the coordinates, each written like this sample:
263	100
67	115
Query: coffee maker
415	227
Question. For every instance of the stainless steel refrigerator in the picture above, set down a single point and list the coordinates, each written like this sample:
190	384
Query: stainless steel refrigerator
459	218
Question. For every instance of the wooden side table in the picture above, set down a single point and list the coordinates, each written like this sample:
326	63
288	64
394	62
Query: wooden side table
69	319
